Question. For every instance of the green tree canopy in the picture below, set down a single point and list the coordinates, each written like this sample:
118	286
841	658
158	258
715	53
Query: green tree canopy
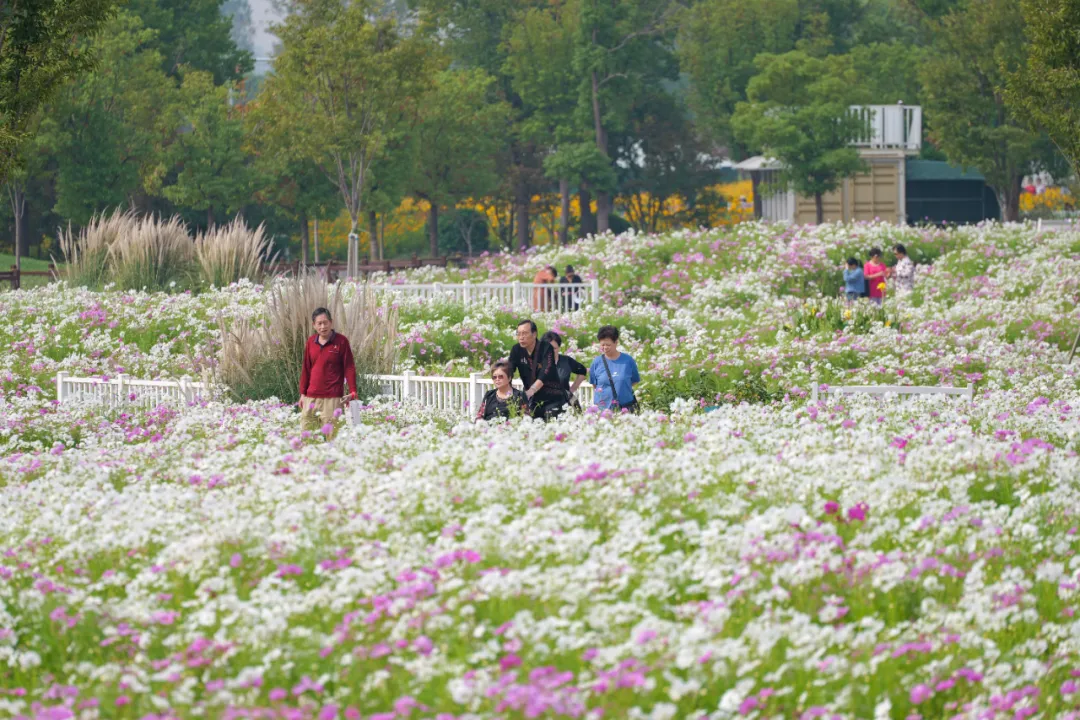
963	78
38	53
1046	90
797	113
195	34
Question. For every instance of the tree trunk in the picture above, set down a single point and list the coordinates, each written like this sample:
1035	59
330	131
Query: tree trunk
1010	206
18	209
210	218
373	231
587	226
522	206
564	212
316	240
819	206
433	228
305	238
603	199
353	261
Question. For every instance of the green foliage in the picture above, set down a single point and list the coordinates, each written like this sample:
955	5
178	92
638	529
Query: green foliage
194	34
37	56
208	149
1046	89
341	84
797	112
975	50
463	231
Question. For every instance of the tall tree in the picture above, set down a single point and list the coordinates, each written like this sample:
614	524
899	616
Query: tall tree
1046	89
338	89
621	51
195	34
105	132
963	79
718	41
38	53
797	113
540	53
457	132
207	150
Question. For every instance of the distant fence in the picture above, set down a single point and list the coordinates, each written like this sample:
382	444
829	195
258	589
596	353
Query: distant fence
15	275
124	390
455	394
335	270
898	390
542	297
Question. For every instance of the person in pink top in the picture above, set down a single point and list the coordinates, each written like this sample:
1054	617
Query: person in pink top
875	272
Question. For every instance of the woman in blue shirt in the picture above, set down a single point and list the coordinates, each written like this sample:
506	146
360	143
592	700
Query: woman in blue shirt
613	374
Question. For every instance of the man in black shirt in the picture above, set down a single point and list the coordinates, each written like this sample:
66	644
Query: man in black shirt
534	361
573	300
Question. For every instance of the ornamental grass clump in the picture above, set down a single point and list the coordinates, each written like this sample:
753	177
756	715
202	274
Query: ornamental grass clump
228	253
153	254
262	358
86	253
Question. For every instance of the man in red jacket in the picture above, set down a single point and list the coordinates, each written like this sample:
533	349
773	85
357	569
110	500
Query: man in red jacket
328	364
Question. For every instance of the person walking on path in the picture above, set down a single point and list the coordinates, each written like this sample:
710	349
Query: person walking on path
567	367
875	272
328	364
614	374
534	361
904	272
504	400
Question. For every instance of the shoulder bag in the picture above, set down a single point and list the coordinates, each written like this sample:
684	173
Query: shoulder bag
631	406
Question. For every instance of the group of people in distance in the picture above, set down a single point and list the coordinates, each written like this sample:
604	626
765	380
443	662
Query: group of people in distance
566	299
869	280
550	379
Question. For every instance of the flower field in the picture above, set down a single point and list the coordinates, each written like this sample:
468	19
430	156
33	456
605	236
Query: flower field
857	558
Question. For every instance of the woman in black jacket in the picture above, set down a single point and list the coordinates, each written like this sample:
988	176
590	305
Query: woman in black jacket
504	399
568	367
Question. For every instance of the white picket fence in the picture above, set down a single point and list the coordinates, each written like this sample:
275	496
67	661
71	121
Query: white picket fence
457	394
540	297
123	389
897	390
461	394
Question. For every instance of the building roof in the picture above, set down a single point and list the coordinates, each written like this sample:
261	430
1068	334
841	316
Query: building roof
938	170
758	162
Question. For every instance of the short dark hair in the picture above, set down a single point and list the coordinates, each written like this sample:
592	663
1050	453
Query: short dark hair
554	270
608	332
900	249
530	323
852	261
875	252
552	337
321	311
569	269
504	366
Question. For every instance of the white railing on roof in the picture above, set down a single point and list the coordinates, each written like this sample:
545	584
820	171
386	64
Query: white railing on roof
897	390
458	394
889	127
123	389
541	297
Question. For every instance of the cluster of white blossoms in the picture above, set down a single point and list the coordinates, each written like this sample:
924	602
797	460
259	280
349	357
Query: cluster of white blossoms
769	557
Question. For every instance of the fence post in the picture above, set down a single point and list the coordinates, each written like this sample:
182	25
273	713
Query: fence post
595	287
517	292
465	292
60	378
475	393
121	382
814	391
406	385
185	391
438	290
